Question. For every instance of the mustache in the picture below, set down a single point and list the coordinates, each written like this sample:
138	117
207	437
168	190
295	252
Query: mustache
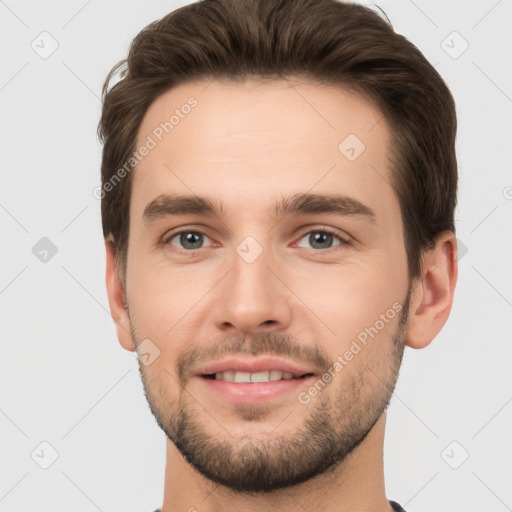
261	344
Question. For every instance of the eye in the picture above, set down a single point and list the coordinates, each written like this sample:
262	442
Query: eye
188	240
322	239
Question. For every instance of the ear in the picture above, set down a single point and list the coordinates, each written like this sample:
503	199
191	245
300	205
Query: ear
432	296
116	299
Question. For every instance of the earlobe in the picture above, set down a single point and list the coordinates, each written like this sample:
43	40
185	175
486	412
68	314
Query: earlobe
433	292
117	299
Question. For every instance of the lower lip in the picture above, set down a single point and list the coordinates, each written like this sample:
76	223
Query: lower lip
257	392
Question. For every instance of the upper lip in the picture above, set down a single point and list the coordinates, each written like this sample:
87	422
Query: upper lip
253	366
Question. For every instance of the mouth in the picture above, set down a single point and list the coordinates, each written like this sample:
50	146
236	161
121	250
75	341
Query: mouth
253	370
255	377
250	381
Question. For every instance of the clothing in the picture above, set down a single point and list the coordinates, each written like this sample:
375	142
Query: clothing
394	504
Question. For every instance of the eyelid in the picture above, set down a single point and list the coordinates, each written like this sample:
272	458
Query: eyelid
343	237
169	235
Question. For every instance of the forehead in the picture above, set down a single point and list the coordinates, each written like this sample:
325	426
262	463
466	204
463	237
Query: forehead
262	137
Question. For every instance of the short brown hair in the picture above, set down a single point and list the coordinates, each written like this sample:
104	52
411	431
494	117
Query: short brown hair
325	41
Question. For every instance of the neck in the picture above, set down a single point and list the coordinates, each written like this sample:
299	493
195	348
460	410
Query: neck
356	485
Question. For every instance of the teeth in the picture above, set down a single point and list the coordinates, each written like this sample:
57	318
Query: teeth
260	377
275	375
242	377
267	376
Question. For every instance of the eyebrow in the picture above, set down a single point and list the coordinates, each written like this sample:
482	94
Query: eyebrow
166	205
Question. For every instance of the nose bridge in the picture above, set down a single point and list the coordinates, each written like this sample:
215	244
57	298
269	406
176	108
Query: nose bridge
252	296
250	267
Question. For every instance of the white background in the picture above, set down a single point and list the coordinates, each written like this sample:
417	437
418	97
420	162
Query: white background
66	380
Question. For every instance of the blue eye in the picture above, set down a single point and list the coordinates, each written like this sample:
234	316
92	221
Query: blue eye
322	239
189	240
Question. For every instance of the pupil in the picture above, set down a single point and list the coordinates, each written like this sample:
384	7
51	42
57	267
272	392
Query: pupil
319	237
190	240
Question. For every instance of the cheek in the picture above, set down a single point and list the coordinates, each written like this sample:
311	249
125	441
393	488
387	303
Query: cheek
351	298
164	300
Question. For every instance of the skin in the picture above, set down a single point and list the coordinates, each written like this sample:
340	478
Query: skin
247	145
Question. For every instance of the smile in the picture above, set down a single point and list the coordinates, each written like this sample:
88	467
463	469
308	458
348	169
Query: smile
245	377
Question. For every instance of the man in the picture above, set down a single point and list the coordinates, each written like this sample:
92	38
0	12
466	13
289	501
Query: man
278	189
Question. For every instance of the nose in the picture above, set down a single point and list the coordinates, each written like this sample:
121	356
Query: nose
252	298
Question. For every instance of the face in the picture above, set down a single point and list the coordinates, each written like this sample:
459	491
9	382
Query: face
266	266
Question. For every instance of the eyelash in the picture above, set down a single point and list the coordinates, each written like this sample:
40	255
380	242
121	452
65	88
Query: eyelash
342	240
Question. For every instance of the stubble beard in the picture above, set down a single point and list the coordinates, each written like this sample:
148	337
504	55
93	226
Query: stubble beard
334	428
